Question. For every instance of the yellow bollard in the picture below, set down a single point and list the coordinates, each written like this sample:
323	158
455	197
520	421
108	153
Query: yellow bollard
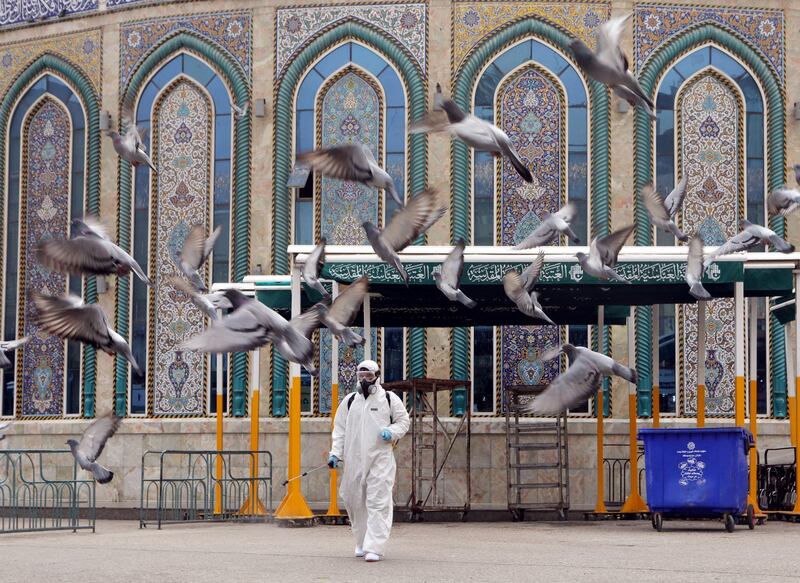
633	503
701	364
656	364
294	505
752	497
601	505
333	503
738	314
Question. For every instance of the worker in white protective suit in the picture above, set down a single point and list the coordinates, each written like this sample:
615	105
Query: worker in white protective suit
368	424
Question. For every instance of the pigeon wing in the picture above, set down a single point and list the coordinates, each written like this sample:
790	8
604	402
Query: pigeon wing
208	245
410	222
78	256
608	49
91	225
453	265
569	389
96	435
512	285
314	261
345	162
348	303
694	259
653	203
567	212
193	246
530	277
674	200
67	317
13	344
609	246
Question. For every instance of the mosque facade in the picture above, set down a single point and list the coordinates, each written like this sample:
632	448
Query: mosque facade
334	72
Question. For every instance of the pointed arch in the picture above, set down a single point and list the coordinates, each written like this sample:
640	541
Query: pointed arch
237	83
81	85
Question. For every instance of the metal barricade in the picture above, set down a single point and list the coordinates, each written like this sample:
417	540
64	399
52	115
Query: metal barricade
617	476
777	490
40	490
179	486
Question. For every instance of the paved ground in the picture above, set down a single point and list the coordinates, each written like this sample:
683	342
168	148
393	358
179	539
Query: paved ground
575	552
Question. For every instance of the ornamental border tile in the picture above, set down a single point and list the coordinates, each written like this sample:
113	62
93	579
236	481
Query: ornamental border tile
138	38
83	50
480	20
656	25
34	11
296	26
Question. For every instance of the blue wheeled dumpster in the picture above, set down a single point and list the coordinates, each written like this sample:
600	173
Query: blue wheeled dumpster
697	473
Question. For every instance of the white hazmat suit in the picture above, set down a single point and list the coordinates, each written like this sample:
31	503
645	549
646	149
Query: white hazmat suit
369	466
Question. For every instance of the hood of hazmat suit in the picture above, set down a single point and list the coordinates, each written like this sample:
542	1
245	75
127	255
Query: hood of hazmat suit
369	465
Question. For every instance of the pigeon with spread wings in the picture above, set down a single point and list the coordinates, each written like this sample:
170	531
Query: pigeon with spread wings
448	279
93	441
750	236
694	269
194	253
339	315
312	265
8	345
129	146
519	289
603	253
552	225
659	214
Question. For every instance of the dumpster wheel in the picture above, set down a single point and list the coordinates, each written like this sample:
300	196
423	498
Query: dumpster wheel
751	517
730	523
657	520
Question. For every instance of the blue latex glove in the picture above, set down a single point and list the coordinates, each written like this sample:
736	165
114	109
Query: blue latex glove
333	462
386	435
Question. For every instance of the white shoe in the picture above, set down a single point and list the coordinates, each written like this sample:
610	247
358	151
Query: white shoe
359	552
372	558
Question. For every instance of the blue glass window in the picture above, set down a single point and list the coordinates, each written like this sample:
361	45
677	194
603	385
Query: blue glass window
205	76
53	86
483	373
393	348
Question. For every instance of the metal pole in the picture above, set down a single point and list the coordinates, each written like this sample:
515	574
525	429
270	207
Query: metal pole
738	298
753	493
701	364
218	397
333	503
600	505
656	358
796	409
634	503
367	329
790	385
294	505
253	504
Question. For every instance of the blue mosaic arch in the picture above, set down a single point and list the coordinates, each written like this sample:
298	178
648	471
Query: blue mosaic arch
70	87
658	64
220	75
384	59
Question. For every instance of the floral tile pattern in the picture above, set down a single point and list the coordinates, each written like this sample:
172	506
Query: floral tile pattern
230	31
351	113
17	11
710	123
405	23
45	214
182	151
475	21
656	24
83	50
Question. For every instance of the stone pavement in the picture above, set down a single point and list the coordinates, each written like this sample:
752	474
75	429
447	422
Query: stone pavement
576	552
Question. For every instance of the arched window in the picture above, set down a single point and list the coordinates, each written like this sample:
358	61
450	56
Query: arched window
710	128
45	190
351	94
185	106
539	99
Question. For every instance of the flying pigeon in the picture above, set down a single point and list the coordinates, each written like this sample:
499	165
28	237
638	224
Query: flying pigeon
448	279
475	132
519	289
195	252
659	214
91	446
603	253
609	64
674	199
694	269
551	226
206	303
750	236
340	315
7	345
421	212
783	201
251	324
3	427
353	162
89	252
579	382
129	146
314	262
69	318
240	111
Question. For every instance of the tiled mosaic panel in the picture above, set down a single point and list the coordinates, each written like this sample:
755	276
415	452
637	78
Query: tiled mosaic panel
530	108
405	23
350	111
228	30
183	150
710	124
17	11
348	360
46	208
656	24
475	21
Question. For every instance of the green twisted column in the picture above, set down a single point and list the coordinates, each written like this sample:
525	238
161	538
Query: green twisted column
652	71
459	367
239	85
88	96
284	155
